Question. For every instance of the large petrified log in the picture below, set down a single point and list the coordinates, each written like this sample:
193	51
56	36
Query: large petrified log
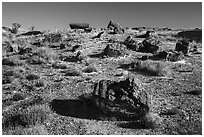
79	25
123	98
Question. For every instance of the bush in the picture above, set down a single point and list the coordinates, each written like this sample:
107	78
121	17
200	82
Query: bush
32	115
32	77
152	68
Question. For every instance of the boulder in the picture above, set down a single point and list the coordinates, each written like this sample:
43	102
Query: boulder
116	27
123	98
131	44
79	25
149	46
183	46
115	50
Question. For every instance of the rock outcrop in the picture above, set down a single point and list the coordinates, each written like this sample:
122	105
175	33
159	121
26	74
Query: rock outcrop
123	98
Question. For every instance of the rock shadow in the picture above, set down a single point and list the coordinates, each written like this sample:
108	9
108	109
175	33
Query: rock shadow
84	109
134	125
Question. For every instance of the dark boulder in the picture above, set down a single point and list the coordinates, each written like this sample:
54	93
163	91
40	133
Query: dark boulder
149	46
79	25
115	50
131	44
183	46
116	27
123	98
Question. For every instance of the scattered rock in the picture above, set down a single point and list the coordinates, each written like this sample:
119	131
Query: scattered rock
30	33
11	61
175	56
170	111
87	30
72	72
164	55
7	79
183	46
195	92
40	83
151	68
123	98
54	38
36	60
117	28
59	65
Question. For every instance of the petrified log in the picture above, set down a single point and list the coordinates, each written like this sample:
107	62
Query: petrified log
131	44
149	46
123	98
183	46
79	25
146	35
116	27
115	50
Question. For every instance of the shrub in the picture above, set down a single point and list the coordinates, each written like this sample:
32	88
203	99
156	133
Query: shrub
32	77
152	68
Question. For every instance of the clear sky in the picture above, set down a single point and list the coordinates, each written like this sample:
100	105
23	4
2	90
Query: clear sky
49	15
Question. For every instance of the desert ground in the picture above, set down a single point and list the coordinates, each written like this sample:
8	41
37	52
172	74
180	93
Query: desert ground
49	81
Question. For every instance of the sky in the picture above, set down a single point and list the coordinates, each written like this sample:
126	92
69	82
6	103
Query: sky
50	15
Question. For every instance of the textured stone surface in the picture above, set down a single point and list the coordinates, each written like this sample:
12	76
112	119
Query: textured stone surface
115	50
121	98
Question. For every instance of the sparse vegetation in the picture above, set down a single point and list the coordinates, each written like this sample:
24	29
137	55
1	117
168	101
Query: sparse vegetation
49	82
